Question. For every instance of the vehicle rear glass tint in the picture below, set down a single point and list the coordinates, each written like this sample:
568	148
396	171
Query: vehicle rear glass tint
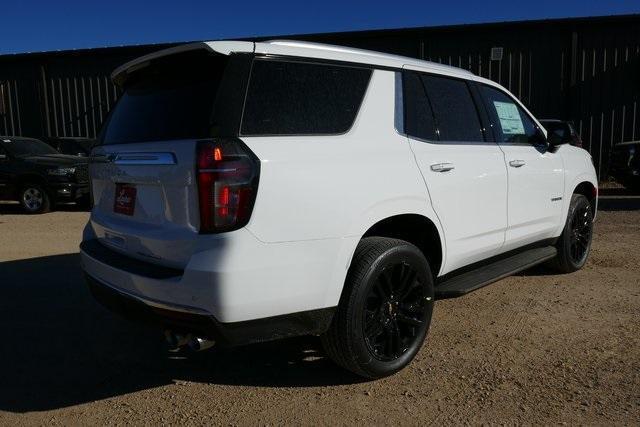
170	99
295	98
454	109
419	120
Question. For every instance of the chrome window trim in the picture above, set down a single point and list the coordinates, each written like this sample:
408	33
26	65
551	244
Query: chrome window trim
398	117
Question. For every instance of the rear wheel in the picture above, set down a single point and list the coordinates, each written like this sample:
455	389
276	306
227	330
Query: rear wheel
385	309
34	199
574	244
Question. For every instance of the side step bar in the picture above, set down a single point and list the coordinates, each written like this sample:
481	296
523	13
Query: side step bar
469	281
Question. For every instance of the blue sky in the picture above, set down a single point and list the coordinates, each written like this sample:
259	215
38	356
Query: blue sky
31	26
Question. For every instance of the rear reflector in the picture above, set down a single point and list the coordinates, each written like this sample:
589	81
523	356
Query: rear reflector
227	184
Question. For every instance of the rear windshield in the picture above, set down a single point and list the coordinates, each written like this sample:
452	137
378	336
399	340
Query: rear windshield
172	98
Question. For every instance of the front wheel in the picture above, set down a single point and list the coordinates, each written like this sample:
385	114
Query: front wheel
574	243
34	199
385	309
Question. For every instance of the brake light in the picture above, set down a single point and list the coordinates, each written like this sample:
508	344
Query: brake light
227	184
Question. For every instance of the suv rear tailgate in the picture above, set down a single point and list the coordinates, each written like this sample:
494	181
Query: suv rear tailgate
163	226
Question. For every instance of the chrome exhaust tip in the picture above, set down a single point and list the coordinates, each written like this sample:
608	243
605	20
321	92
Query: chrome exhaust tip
200	344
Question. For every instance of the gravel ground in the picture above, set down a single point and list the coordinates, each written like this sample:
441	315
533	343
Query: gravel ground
536	348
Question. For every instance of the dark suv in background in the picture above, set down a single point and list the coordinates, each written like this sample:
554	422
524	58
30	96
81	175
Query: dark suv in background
38	176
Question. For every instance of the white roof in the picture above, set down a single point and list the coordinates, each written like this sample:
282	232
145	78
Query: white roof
305	50
313	50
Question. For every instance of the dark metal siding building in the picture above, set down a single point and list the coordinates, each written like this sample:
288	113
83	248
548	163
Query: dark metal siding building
583	69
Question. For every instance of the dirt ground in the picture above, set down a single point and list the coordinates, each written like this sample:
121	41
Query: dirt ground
535	349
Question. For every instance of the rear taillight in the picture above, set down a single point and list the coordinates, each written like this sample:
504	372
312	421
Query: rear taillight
227	184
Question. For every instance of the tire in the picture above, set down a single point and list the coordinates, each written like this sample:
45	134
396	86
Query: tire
375	333
574	244
34	199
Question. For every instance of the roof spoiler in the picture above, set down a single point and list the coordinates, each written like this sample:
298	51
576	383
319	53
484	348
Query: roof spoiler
118	76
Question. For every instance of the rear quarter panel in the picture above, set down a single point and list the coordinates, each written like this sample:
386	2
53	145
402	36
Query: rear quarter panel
322	187
337	187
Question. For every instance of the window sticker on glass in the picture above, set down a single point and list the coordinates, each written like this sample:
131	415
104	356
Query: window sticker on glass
510	119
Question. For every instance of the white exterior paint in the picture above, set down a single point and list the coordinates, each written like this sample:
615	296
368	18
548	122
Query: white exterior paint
317	196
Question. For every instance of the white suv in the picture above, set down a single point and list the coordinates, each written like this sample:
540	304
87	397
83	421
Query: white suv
248	191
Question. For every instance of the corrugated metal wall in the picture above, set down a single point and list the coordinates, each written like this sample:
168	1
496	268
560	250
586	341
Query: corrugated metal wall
60	94
9	108
584	70
605	90
77	105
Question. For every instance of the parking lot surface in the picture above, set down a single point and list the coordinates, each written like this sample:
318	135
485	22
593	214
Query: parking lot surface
534	348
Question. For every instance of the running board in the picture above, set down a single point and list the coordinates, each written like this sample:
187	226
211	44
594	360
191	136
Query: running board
469	281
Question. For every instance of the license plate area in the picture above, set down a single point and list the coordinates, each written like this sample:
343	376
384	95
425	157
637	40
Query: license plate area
125	199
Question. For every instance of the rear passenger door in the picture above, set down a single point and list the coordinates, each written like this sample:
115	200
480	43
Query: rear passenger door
464	170
536	175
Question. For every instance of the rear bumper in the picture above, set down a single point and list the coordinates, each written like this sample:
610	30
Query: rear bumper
177	319
237	290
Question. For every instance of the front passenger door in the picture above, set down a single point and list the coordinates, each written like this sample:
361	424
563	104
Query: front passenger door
536	175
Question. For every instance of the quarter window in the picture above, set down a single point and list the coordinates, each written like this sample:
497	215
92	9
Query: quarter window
510	122
295	98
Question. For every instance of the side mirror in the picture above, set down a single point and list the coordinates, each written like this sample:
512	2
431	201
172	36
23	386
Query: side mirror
539	139
555	140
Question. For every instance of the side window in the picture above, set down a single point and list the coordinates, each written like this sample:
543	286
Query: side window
419	120
294	98
455	112
511	123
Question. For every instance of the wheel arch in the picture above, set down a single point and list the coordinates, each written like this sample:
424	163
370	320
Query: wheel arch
416	229
590	191
28	178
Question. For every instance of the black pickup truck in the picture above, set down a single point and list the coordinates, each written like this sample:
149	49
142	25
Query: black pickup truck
38	176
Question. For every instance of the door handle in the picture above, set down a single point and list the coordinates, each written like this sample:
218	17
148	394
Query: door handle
517	163
442	167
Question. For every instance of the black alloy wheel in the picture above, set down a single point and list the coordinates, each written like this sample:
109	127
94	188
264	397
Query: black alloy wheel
581	233
574	244
395	311
385	309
